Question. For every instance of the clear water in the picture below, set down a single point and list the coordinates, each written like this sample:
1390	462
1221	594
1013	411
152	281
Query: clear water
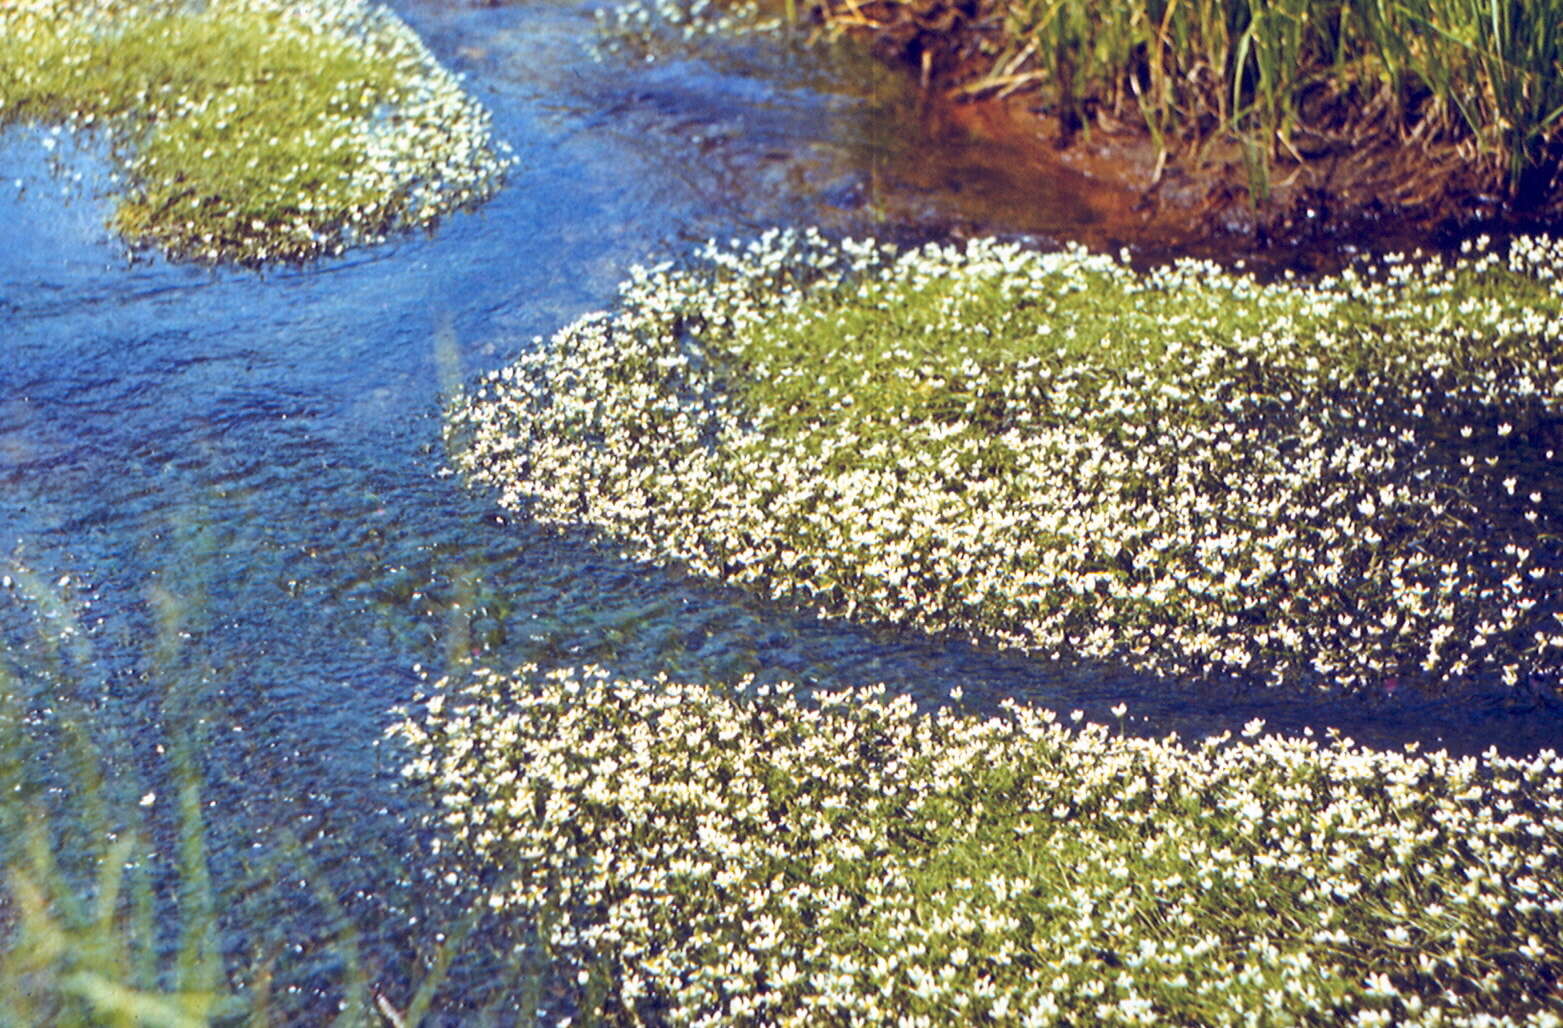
238	476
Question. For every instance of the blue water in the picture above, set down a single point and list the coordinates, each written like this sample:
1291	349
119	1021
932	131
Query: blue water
233	480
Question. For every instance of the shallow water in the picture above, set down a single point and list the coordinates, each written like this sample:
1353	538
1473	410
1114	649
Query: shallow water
234	479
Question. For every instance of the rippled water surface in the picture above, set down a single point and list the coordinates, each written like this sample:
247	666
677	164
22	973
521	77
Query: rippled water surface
233	480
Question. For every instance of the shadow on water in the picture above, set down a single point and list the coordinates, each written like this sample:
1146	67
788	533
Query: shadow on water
235	478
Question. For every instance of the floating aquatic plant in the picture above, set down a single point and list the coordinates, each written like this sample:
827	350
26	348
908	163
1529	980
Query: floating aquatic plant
1351	483
647	30
710	856
254	130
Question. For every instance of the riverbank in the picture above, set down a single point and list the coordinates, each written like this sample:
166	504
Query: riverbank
1280	123
1375	198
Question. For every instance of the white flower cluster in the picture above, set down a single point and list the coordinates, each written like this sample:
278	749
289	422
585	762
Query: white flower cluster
1345	484
648	28
730	858
257	167
431	148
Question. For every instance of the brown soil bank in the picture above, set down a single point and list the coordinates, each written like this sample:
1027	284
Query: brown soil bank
1279	121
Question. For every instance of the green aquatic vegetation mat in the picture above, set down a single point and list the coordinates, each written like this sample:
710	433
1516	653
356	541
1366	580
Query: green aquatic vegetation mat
716	856
1349	483
253	130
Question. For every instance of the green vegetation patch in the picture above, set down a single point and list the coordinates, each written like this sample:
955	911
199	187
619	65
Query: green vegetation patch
1349	484
716	858
254	130
1292	78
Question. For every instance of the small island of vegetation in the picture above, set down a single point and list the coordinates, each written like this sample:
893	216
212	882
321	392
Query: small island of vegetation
253	130
1343	484
732	857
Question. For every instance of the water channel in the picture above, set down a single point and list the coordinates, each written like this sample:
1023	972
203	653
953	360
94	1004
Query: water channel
233	482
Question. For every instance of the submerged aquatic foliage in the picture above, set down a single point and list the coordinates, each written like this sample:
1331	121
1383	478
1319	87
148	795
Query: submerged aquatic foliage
89	933
1350	483
253	130
709	857
125	899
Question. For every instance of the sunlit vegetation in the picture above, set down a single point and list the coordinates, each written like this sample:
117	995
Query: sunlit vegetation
1470	90
81	946
1295	77
1346	484
253	130
716	856
87	936
112	912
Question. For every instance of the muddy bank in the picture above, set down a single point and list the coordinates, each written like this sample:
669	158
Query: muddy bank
1375	199
1345	176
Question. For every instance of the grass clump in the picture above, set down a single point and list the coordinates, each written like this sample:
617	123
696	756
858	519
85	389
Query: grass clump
124	899
1348	484
1296	77
720	858
88	934
1471	89
81	942
253	130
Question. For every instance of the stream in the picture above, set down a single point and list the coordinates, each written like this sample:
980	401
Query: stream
232	482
